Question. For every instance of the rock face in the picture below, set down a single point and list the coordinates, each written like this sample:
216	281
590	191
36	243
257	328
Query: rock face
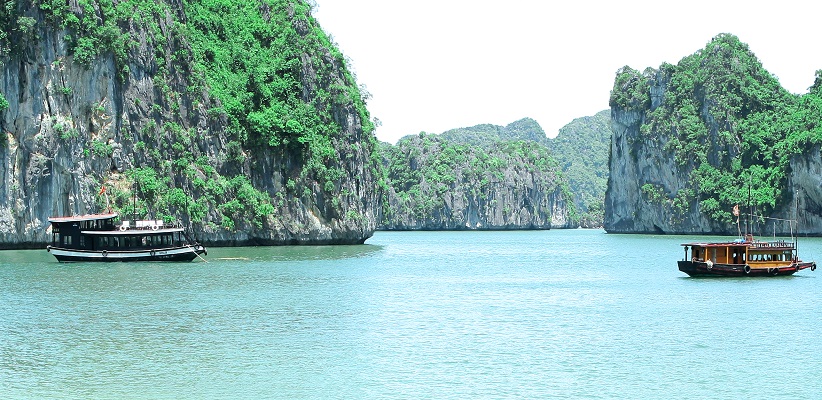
143	121
634	163
691	141
581	150
440	185
806	181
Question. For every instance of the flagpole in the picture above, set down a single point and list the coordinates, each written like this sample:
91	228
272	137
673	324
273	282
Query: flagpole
736	213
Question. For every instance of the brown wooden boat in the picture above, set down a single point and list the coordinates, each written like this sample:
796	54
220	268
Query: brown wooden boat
743	257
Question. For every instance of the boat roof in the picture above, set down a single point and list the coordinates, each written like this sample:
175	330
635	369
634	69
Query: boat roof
86	217
755	245
132	232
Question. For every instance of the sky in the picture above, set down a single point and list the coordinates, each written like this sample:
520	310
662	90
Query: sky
435	65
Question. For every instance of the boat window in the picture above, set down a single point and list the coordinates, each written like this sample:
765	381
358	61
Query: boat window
66	240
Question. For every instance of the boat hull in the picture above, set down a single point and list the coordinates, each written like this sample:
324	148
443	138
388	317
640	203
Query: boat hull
698	268
186	253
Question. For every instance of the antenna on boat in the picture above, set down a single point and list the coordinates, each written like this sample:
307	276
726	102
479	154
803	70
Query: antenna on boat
795	221
748	223
134	202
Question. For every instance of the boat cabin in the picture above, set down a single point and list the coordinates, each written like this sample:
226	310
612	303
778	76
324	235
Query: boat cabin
98	232
762	254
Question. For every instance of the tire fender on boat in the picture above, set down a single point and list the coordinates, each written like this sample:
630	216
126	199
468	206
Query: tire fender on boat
775	271
813	267
152	252
122	228
105	253
747	269
154	227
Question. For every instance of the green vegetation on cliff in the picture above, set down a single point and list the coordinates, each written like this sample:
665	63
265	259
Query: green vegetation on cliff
445	182
255	56
230	114
581	148
580	151
728	124
486	135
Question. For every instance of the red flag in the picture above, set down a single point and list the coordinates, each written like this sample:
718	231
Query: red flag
102	190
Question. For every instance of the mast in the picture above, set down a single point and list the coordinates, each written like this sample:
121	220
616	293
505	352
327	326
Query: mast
748	224
134	202
795	221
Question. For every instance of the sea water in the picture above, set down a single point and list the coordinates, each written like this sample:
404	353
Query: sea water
410	315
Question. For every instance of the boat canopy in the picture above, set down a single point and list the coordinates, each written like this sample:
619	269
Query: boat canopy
87	217
132	232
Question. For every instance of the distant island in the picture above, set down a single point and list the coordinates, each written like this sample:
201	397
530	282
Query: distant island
498	177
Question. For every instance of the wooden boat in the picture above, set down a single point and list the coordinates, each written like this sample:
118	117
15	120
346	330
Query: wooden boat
743	257
102	237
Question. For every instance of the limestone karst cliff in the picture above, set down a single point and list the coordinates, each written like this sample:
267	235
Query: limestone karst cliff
580	149
437	184
693	140
170	101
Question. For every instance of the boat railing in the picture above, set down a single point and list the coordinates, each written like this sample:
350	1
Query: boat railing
149	224
777	243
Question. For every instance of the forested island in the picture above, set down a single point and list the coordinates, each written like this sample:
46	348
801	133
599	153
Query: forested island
498	177
240	119
693	140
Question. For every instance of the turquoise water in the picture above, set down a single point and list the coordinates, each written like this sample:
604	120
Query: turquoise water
410	315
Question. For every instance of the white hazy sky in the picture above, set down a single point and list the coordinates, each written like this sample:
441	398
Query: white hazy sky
434	65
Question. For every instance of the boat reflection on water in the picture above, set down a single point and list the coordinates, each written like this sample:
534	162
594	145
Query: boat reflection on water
294	253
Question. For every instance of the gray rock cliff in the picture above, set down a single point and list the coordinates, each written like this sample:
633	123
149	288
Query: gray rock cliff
440	185
692	141
71	128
